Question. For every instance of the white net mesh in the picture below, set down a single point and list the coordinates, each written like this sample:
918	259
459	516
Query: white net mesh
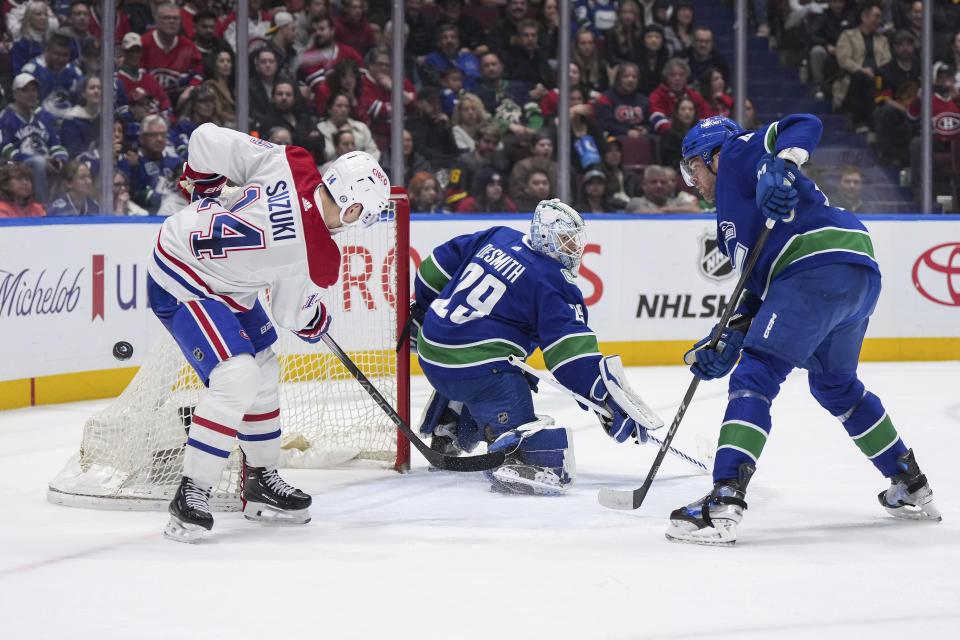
131	455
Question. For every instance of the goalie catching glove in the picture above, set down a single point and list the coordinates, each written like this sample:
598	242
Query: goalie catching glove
197	185
315	331
630	416
708	364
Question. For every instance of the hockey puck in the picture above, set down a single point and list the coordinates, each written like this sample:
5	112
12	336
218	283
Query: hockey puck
122	350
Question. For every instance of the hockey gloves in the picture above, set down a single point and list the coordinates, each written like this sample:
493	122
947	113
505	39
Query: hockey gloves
196	185
709	364
621	426
314	331
776	196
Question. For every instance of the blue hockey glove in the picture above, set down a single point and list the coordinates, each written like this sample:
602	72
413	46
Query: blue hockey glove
313	332
709	364
621	426
776	196
417	314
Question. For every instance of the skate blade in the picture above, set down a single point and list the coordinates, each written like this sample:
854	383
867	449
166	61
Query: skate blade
505	481
183	531
719	535
259	512
926	511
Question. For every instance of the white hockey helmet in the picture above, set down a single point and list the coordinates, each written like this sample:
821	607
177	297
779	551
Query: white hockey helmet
557	230
357	178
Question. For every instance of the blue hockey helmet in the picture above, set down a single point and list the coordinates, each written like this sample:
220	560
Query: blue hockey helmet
703	138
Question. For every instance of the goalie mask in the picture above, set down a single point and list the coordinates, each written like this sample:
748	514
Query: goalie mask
557	230
356	178
702	139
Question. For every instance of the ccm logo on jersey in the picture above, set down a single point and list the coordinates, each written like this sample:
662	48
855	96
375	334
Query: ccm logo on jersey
578	311
281	215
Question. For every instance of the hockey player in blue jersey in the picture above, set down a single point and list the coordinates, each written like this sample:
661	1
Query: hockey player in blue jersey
483	297
808	301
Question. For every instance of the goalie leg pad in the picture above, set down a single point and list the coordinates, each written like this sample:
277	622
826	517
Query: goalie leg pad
542	461
615	379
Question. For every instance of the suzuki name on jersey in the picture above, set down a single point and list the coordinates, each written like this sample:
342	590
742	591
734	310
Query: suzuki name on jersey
281	215
510	268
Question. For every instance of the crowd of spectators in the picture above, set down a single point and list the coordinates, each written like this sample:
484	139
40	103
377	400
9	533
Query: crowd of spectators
480	93
480	96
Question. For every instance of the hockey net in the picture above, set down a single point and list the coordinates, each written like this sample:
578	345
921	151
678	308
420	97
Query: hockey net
131	455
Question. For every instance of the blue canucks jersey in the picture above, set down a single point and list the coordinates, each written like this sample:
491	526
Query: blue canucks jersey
491	295
819	234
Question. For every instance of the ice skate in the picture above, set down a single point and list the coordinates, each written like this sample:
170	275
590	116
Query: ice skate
713	519
267	498
516	477
444	438
190	514
909	495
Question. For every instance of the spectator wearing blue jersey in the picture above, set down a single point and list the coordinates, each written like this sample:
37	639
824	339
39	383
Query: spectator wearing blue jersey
28	134
811	291
76	26
33	34
449	54
76	188
156	168
57	78
81	127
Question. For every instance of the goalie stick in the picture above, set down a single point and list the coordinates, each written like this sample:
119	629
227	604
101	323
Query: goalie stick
632	499
517	362
437	459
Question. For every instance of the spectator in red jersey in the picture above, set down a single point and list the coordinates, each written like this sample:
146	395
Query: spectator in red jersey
375	93
17	199
713	88
325	53
674	86
352	28
132	76
174	61
122	23
343	78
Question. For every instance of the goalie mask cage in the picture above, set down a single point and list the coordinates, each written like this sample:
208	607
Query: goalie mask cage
131	455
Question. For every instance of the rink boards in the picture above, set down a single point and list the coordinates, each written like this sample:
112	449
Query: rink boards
71	288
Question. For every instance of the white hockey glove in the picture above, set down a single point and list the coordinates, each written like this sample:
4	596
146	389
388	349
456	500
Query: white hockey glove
630	414
314	331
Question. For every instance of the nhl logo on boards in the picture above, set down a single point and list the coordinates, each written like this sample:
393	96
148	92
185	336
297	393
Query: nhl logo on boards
713	264
198	354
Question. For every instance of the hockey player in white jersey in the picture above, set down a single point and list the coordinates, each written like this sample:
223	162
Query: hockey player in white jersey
209	264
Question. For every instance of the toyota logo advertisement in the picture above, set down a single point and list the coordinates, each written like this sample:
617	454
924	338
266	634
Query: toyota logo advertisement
936	274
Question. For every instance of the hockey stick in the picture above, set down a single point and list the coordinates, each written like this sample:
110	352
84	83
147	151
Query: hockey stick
437	459
632	499
517	362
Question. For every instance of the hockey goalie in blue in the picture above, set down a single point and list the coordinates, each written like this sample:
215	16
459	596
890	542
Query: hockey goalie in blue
807	304
483	297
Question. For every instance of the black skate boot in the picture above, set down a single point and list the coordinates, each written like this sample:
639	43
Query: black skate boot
909	495
444	438
189	512
713	519
267	498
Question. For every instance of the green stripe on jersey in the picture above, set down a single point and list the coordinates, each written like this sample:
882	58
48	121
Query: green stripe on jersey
877	438
741	435
821	241
446	355
568	348
770	139
432	275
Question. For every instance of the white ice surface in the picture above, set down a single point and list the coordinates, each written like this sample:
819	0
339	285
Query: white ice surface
435	555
